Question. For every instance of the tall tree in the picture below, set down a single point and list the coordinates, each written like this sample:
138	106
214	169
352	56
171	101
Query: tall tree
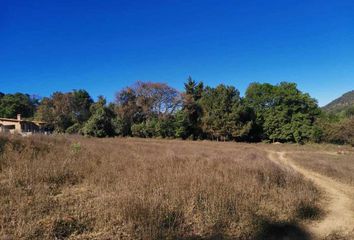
157	98
182	124
145	101
128	111
81	103
283	112
193	112
224	116
18	103
64	110
102	121
194	89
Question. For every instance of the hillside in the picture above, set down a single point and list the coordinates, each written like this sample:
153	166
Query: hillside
341	103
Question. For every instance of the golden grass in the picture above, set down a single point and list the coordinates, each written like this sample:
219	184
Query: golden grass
335	161
79	188
336	166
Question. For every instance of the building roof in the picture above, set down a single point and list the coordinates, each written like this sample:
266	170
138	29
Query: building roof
20	120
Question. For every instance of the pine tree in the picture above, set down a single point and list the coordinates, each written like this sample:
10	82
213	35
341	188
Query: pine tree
192	109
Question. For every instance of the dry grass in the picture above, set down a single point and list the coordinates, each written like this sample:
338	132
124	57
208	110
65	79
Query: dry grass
336	166
77	188
333	161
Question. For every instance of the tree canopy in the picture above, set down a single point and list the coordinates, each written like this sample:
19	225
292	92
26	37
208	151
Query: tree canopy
18	103
283	113
63	110
273	113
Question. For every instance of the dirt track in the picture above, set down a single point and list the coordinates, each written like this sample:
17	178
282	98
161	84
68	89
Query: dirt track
339	202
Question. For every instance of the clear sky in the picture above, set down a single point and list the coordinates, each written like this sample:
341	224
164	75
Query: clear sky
102	45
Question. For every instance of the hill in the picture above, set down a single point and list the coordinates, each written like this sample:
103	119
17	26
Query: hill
341	103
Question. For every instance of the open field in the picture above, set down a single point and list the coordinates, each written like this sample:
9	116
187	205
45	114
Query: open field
335	163
80	188
337	202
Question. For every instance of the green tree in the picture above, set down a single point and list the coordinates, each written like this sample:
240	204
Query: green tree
102	121
166	127
259	97
65	111
224	115
193	88
193	111
349	112
241	122
18	103
81	103
128	111
147	129
138	129
283	113
182	124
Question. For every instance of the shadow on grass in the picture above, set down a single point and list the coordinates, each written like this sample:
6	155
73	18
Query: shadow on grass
282	231
268	231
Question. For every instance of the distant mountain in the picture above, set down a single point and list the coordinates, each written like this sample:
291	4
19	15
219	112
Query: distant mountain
342	103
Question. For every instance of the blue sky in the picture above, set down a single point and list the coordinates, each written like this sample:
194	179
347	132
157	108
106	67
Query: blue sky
103	45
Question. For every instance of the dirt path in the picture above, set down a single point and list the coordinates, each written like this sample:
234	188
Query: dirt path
339	210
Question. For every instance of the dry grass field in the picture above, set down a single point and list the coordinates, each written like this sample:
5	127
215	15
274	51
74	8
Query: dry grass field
80	188
335	163
330	168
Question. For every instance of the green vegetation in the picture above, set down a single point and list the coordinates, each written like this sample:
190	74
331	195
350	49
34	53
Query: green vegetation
64	110
283	113
336	123
18	103
273	113
341	104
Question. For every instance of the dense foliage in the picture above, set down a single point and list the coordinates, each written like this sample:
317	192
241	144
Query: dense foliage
336	128
18	103
274	113
283	113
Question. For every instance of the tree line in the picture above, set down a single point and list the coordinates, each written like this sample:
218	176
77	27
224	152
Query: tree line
273	113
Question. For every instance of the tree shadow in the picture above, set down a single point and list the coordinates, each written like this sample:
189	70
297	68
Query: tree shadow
268	230
282	231
216	236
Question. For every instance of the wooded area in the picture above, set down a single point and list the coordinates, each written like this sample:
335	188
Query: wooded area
274	113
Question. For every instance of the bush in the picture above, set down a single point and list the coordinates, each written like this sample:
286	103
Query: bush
64	227
100	124
73	129
138	130
341	132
